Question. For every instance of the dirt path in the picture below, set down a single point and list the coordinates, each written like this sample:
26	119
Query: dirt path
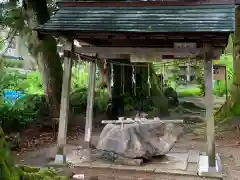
200	101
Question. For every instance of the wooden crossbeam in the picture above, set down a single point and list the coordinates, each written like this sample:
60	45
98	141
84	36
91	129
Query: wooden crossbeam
133	121
116	52
131	50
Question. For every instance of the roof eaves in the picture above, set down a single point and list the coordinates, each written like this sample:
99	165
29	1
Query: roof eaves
145	3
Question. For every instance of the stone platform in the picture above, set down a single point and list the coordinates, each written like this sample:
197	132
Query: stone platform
173	166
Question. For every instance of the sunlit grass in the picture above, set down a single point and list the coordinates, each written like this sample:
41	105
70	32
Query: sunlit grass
186	92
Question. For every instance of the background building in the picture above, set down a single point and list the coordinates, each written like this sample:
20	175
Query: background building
14	51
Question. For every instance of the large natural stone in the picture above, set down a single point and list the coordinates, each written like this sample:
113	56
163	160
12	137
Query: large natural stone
143	139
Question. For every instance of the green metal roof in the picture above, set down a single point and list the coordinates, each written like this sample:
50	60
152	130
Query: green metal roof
202	18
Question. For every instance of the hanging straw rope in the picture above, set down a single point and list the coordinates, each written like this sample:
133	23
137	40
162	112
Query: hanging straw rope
149	81
134	79
112	75
125	64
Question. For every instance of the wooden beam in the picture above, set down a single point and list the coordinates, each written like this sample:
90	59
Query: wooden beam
143	3
210	133
63	119
153	51
129	50
113	56
152	42
133	121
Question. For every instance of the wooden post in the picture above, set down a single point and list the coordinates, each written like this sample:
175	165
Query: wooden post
63	120
210	133
90	103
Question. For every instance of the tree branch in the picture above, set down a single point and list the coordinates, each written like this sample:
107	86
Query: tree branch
13	32
8	36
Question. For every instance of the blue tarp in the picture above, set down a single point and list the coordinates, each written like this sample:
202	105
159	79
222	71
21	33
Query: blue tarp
11	96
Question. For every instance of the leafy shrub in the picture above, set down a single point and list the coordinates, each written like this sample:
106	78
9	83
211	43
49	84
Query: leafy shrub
13	63
78	100
188	92
11	80
32	83
219	85
32	103
24	112
101	101
79	77
32	106
13	119
172	96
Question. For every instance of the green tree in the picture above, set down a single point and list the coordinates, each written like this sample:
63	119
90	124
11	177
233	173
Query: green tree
22	17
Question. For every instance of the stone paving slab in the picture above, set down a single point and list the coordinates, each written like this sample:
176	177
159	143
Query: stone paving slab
172	161
193	156
116	174
138	168
172	164
193	167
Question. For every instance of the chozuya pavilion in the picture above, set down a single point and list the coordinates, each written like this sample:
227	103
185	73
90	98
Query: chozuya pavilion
117	30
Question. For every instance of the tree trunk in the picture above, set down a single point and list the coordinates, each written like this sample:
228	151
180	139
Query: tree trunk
45	52
235	96
232	108
51	73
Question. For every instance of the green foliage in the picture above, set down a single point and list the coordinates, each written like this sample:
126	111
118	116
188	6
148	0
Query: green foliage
1	40
31	173
132	103
12	63
32	103
101	101
187	92
235	110
24	112
33	106
200	79
8	171
79	77
10	80
172	96
32	83
219	85
12	15
78	100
